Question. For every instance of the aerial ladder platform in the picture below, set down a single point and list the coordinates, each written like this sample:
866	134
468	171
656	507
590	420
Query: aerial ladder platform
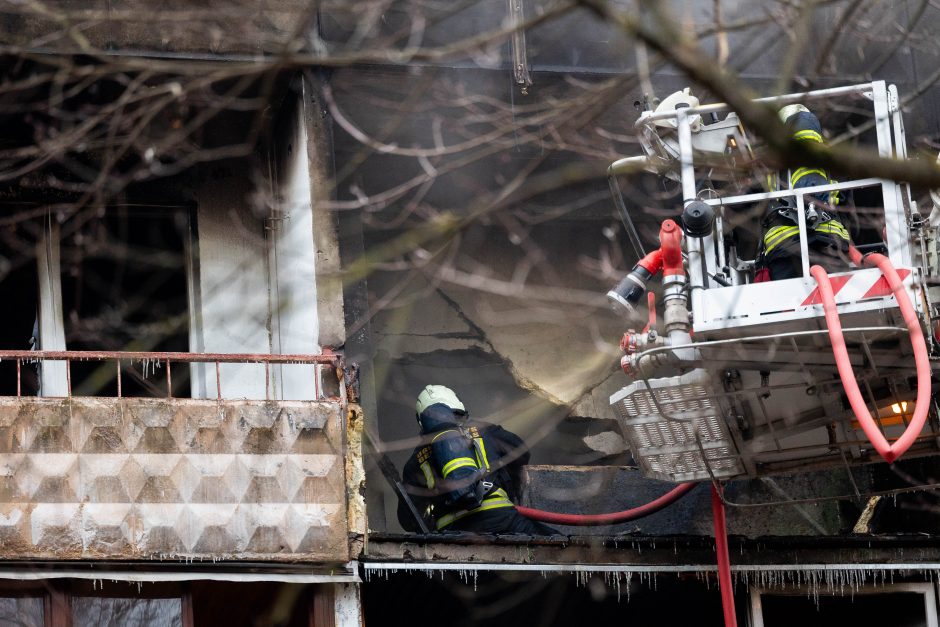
740	378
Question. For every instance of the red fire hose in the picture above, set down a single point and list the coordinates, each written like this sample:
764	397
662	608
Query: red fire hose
612	518
889	452
724	561
721	533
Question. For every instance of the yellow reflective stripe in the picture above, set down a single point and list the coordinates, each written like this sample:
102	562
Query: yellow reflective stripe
782	237
777	235
834	227
833	224
808	134
428	474
836	232
834	198
767	249
442	433
454	464
482	460
771	233
488	504
772	181
801	172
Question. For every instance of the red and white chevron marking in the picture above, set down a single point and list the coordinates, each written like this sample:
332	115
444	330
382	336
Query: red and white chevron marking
856	286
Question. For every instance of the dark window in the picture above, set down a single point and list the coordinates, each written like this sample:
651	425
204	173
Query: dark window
124	289
19	292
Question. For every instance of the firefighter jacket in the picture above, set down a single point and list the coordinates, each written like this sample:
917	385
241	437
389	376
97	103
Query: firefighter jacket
781	234
462	467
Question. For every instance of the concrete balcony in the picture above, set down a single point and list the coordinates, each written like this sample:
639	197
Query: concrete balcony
92	478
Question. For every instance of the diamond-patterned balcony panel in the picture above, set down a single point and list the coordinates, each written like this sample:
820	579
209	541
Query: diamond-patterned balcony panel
141	478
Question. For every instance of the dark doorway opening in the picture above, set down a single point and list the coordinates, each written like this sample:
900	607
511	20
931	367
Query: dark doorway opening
124	289
19	293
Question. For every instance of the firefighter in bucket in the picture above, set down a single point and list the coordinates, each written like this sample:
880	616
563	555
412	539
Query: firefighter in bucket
827	236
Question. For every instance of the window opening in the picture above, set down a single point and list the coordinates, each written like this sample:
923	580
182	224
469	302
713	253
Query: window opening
19	289
901	605
124	289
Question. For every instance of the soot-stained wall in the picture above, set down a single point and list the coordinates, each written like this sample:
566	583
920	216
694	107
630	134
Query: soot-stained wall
507	308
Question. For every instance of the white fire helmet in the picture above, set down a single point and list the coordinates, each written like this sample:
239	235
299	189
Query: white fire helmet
434	394
790	110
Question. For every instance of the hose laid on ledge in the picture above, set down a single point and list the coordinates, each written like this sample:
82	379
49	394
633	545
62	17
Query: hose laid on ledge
584	520
890	452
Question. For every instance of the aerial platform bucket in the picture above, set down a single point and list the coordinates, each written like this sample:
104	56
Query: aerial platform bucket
675	448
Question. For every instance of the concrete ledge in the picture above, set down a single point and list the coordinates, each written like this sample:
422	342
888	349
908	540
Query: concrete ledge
214	28
603	489
661	554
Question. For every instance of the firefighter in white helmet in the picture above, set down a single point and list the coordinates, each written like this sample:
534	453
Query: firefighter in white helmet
827	236
465	474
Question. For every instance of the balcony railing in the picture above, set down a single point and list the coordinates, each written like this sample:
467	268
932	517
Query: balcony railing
151	360
89	476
